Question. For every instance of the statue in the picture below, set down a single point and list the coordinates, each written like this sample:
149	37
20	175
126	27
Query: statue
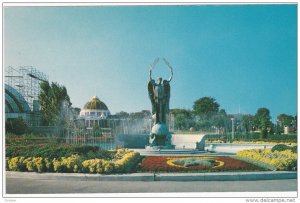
159	94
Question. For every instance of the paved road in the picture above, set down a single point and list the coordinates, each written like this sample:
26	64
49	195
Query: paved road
40	186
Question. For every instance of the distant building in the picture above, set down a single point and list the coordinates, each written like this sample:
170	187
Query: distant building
93	112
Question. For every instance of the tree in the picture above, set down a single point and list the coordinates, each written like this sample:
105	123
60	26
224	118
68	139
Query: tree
55	103
122	114
205	106
247	122
263	118
285	120
205	109
183	119
221	121
140	115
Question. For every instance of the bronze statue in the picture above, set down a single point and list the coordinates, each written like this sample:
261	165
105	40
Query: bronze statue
159	94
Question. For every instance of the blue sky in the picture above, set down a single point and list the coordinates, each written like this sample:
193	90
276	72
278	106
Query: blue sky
245	56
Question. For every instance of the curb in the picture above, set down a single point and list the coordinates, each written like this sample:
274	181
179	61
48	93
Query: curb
229	176
218	176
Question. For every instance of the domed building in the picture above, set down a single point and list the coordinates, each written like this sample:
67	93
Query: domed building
94	111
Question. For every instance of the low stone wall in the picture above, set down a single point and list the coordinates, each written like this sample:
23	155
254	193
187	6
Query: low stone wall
188	141
234	148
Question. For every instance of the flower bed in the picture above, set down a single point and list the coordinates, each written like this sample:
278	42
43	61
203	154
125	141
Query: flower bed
195	164
280	160
124	161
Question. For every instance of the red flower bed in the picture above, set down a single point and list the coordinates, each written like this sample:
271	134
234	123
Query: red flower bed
159	163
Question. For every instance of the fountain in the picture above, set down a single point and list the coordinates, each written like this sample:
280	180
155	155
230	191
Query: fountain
160	137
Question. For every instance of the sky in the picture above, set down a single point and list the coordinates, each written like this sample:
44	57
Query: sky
244	56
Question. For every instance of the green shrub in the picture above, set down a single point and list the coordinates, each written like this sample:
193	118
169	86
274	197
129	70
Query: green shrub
16	126
280	147
294	149
56	151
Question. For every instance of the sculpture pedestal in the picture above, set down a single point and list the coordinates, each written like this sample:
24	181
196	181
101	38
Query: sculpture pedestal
160	137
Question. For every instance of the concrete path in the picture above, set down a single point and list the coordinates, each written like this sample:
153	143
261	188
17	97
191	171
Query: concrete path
212	176
40	186
53	183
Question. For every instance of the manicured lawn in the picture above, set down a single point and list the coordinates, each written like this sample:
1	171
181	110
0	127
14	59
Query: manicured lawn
195	164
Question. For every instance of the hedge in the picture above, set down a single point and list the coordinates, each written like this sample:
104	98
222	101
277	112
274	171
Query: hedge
56	151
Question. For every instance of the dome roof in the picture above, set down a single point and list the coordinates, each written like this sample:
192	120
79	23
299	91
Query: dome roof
95	104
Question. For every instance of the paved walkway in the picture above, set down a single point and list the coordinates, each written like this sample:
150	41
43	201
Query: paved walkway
208	176
52	183
40	186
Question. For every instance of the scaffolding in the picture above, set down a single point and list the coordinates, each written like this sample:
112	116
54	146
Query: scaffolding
26	80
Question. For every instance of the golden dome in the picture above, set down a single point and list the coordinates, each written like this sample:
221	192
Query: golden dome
95	104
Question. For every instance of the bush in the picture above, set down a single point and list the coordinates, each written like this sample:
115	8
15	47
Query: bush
38	164
97	166
294	149
56	151
280	147
57	166
48	165
70	164
16	126
127	162
16	164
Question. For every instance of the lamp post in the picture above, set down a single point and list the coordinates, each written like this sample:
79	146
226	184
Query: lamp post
232	133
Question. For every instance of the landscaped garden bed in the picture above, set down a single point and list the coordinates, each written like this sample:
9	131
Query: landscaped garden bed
122	161
280	157
195	164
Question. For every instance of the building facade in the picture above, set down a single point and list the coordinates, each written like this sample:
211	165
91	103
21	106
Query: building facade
94	113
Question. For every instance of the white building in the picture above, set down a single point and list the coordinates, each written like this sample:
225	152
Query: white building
93	112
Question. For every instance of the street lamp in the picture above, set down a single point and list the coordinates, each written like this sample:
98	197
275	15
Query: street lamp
232	133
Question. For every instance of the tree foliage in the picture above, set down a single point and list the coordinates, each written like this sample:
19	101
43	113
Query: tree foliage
205	106
183	119
247	122
54	101
263	120
285	120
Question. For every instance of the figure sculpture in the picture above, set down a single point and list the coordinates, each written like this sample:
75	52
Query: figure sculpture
159	94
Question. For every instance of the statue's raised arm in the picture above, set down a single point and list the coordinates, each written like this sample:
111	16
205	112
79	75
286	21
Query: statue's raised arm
170	67
152	66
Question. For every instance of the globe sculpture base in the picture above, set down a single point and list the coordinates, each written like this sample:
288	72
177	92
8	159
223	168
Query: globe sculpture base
160	137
